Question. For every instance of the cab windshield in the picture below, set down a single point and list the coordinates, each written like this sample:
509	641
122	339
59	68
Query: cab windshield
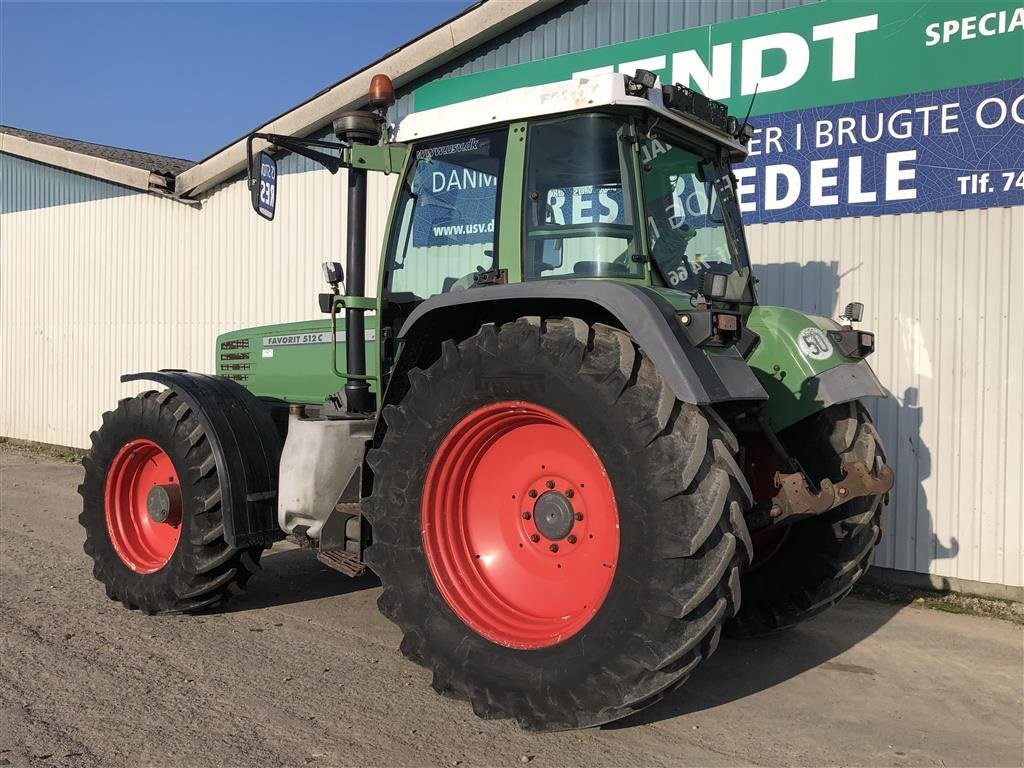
692	217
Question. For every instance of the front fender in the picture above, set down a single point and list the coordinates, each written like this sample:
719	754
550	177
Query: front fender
801	378
246	447
693	375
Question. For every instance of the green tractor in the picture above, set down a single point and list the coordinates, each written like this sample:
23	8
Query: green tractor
564	434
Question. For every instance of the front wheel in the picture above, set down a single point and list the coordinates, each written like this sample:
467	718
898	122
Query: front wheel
558	537
803	569
151	510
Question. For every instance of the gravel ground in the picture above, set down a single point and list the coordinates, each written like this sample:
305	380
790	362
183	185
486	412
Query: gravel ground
302	670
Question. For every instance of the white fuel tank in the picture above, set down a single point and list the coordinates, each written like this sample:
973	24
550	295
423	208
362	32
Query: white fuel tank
319	460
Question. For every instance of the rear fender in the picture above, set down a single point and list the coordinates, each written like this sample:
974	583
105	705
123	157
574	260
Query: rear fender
692	374
245	444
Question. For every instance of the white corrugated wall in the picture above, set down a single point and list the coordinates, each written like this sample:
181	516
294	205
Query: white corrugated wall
91	290
942	291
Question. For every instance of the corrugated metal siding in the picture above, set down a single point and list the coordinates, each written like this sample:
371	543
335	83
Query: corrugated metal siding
25	184
942	292
938	289
580	25
91	290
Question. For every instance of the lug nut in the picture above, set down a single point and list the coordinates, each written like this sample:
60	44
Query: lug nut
570	493
526	515
534	537
571	539
550	484
553	547
532	494
578	516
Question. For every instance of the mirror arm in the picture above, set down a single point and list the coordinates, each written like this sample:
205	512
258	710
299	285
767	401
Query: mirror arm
249	180
300	147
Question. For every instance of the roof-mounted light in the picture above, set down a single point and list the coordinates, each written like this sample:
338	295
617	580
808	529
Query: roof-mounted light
382	92
696	105
640	83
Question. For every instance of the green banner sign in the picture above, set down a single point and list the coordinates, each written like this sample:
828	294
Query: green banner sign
832	52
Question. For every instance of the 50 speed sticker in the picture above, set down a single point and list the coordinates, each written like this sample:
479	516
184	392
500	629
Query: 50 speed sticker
814	344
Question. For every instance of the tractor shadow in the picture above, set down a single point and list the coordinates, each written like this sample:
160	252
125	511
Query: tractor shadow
905	419
742	668
292	575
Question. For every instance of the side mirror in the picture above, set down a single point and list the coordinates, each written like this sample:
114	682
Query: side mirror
263	185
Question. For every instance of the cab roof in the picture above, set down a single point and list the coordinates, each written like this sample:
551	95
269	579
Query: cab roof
582	94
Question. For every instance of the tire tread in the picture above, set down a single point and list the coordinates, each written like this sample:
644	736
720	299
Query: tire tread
698	520
824	557
209	571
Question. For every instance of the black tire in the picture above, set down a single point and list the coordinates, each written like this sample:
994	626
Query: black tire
681	499
822	558
203	569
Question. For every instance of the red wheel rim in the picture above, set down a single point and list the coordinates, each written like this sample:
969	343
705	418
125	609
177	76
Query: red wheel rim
762	463
139	469
500	491
767	544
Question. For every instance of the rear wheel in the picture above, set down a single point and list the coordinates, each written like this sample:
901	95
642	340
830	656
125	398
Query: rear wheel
558	537
800	570
151	510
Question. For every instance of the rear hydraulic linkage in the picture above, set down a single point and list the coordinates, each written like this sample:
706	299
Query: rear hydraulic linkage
796	497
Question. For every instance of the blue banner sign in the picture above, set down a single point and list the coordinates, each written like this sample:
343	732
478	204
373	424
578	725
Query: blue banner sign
456	205
944	150
585	205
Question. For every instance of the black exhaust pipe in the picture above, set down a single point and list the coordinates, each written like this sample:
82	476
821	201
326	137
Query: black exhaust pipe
357	127
357	391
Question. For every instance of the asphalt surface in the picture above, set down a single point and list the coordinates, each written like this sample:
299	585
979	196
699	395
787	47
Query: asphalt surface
302	670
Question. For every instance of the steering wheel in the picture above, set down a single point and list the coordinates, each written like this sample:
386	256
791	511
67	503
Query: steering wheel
467	281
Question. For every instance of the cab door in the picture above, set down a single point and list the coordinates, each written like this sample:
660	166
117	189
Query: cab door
445	232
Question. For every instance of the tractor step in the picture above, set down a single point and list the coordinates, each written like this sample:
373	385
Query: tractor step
341	560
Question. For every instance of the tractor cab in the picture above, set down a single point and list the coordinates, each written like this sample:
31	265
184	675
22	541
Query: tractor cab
599	194
611	178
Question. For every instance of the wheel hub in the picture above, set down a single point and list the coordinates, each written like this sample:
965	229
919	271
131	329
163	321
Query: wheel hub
554	515
163	503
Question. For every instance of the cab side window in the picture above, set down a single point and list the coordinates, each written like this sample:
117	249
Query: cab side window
447	216
578	207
